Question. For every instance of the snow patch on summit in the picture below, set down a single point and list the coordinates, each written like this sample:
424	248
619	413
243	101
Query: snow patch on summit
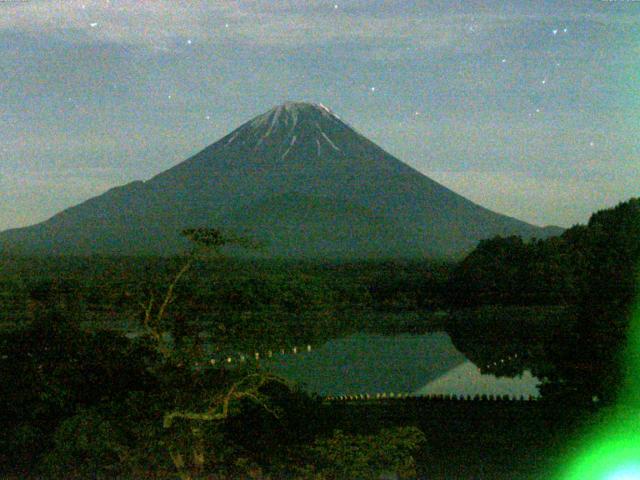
293	142
324	135
233	137
286	120
326	109
274	121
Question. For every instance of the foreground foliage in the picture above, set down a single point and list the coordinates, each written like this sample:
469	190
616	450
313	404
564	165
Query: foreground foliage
95	404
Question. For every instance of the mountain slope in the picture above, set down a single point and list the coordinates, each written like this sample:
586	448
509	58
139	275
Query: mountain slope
297	177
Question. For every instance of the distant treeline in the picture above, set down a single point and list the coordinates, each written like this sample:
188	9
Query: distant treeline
104	287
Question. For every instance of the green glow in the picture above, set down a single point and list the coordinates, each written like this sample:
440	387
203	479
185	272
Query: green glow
612	454
628	472
612	450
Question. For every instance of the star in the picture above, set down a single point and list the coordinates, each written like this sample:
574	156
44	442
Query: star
373	89
564	30
189	42
417	114
555	31
592	144
504	60
226	25
537	110
169	97
83	6
544	81
335	6
208	117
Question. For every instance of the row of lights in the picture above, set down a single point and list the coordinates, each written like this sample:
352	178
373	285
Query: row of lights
367	396
382	396
495	364
257	356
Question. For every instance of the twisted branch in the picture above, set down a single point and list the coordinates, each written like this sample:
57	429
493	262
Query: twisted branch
219	409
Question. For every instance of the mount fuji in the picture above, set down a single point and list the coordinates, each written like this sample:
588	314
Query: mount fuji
298	179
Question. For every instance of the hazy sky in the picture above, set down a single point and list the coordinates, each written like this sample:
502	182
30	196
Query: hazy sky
527	107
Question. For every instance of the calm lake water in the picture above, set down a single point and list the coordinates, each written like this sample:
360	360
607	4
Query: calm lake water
413	364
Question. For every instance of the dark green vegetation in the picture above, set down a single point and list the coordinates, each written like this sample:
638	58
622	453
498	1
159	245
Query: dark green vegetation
297	178
80	404
582	286
284	303
81	400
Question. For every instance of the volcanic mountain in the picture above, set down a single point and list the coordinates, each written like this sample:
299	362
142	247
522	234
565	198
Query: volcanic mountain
298	179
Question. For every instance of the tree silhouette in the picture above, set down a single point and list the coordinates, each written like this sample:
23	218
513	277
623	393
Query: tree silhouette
216	401
590	362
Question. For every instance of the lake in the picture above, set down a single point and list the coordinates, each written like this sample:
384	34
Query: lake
427	364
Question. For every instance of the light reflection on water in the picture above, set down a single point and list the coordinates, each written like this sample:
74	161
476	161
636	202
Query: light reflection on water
413	364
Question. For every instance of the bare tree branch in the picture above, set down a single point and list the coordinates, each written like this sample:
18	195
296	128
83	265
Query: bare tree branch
247	387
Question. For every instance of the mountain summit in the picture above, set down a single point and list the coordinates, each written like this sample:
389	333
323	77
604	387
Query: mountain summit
296	177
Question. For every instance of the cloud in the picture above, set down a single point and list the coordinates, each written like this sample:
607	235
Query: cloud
77	95
161	23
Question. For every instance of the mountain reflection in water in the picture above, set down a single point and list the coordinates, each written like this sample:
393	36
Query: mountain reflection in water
408	364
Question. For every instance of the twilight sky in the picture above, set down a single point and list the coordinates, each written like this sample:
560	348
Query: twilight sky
529	108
